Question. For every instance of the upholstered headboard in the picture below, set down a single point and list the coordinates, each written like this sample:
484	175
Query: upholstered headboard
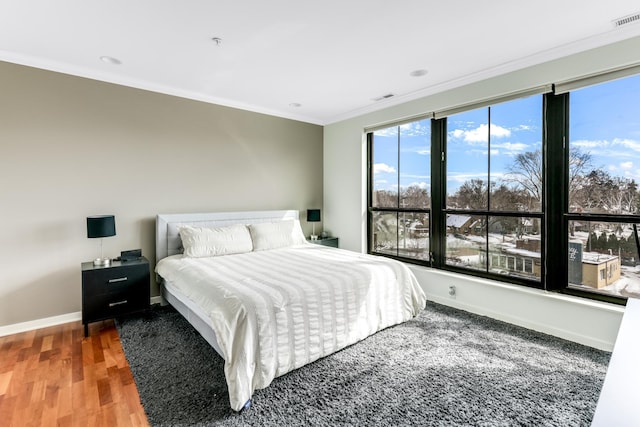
168	240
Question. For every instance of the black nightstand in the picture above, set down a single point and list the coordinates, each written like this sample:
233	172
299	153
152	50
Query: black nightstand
327	241
108	292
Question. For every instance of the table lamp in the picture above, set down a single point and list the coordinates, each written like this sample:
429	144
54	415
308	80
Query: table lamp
313	216
99	226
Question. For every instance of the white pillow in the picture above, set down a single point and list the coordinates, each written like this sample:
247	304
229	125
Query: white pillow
273	235
208	242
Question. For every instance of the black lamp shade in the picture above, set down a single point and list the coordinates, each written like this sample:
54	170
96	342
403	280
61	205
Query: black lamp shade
101	226
313	215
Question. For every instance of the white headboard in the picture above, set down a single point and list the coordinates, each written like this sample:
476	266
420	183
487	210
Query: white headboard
168	240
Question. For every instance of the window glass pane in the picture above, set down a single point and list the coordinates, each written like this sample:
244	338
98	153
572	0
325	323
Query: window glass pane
415	164
414	235
604	147
603	257
385	232
500	145
466	241
515	247
516	155
385	168
467	159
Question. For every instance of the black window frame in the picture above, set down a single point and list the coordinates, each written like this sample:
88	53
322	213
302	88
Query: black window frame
443	211
397	210
554	215
559	216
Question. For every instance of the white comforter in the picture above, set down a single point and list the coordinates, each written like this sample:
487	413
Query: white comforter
274	311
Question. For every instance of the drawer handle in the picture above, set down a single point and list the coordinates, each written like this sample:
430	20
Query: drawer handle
119	279
113	304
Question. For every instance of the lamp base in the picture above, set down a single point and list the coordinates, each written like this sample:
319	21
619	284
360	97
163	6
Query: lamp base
102	262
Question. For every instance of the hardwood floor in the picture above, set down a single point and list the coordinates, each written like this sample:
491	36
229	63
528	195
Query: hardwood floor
56	377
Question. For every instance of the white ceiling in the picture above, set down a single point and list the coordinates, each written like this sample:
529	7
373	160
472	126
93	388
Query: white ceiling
333	57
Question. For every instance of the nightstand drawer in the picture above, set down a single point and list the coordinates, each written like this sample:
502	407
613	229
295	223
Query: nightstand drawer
116	303
111	279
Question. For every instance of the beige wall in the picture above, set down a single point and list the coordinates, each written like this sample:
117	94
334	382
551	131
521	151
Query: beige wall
72	147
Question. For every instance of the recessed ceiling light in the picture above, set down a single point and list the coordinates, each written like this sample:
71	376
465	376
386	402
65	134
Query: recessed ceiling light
295	105
418	73
386	96
110	60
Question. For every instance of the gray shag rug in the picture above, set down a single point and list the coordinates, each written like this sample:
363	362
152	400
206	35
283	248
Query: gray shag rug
446	367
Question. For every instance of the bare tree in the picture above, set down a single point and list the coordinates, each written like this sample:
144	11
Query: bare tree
414	197
385	198
526	173
471	195
579	164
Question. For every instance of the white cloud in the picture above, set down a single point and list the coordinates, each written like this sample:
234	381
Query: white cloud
421	185
480	134
626	165
499	131
383	168
511	146
421	150
458	133
628	143
419	128
464	177
392	131
617	147
586	143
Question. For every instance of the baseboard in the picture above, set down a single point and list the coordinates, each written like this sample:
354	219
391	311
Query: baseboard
527	323
17	328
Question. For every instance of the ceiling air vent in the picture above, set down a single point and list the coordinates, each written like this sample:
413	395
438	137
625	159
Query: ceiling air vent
626	20
380	98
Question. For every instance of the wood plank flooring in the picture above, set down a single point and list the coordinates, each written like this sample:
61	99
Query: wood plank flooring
57	377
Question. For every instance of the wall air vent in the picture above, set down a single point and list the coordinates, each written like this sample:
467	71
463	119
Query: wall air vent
626	20
380	98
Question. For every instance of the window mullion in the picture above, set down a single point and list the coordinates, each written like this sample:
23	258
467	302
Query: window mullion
438	191
555	152
399	198
488	161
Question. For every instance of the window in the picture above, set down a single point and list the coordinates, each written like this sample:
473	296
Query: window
540	190
400	184
604	169
494	184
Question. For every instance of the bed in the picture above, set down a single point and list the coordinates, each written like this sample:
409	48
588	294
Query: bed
267	300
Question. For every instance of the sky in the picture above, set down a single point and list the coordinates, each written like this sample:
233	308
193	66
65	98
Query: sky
604	121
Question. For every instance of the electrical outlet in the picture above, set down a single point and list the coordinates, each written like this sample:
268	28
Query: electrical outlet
452	291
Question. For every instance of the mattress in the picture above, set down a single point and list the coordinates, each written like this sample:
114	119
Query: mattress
276	310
